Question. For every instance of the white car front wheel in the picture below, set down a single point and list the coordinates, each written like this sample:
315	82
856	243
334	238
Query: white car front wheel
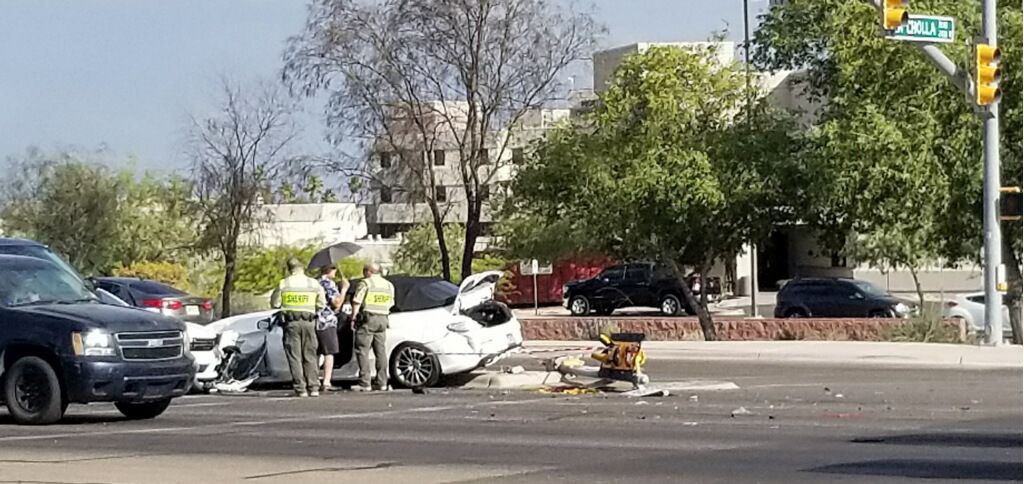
414	366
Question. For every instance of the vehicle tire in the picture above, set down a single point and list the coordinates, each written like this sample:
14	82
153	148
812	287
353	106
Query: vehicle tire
32	392
143	410
413	365
796	313
670	305
579	306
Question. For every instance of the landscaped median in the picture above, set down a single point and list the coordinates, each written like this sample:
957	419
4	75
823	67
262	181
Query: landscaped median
745	329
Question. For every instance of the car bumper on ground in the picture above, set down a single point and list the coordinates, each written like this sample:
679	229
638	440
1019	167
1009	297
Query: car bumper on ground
107	381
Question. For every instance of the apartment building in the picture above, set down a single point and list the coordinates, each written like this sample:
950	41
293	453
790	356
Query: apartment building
410	168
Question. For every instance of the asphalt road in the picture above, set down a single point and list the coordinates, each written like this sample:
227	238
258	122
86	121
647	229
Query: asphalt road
801	424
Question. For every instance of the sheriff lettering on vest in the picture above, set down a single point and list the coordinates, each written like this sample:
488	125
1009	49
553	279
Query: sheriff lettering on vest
371	305
300	298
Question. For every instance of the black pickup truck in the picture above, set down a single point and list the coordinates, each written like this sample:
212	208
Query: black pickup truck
643	284
59	344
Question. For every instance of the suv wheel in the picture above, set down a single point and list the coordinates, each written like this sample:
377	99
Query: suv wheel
143	410
796	313
579	306
669	305
32	392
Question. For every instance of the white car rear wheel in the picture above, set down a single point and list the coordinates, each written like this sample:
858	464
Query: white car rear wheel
414	366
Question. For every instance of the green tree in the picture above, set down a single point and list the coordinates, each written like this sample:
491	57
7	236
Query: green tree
663	169
882	97
69	204
417	255
97	217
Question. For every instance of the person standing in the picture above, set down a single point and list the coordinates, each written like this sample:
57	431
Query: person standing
300	298
373	300
327	323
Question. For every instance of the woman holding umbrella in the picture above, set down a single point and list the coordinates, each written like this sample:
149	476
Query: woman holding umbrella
327	322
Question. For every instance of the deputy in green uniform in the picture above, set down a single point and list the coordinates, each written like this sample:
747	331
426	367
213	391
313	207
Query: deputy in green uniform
300	298
374	298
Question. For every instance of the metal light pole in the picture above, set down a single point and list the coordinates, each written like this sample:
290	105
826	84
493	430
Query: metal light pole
746	68
993	244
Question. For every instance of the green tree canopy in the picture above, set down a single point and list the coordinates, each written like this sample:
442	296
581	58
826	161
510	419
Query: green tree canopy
97	217
893	170
666	168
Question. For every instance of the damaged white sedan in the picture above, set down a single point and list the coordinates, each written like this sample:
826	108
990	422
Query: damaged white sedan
436	329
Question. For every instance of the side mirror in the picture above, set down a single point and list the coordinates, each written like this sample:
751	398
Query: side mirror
90	283
856	296
263	324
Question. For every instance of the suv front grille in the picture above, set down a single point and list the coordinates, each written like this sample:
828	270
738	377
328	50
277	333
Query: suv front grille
152	345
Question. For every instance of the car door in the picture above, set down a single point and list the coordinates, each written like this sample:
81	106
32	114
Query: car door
848	301
636	286
817	297
610	293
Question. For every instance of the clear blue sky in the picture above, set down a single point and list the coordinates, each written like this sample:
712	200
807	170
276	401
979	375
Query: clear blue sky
125	74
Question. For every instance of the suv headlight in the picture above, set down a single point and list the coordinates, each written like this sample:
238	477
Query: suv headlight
901	309
92	343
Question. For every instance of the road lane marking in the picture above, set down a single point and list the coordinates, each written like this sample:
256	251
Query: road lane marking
249	423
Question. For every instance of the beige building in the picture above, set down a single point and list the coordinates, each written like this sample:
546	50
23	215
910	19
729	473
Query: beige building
420	168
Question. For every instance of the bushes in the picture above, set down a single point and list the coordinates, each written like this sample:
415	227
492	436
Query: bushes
260	270
166	272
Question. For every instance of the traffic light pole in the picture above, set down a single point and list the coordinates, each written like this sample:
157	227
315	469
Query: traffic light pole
993	242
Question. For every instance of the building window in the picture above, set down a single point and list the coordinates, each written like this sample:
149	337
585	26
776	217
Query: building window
517	156
484	157
485	193
385	195
385	159
440	194
438	157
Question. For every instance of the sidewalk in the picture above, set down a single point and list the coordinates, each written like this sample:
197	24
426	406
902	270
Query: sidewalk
822	352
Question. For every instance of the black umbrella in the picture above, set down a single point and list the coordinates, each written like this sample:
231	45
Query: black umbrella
333	254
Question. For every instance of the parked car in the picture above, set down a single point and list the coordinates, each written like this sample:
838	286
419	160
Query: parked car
971	309
436	328
202	343
837	298
158	297
61	345
643	284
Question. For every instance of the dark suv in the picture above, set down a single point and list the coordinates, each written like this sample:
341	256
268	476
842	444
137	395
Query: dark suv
642	284
837	298
59	344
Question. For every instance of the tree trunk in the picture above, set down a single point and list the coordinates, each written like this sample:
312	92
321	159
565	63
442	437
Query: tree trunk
917	286
228	287
703	273
442	244
472	233
1015	284
707	325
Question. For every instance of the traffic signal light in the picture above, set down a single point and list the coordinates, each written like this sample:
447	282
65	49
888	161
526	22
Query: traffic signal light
986	74
894	14
1010	203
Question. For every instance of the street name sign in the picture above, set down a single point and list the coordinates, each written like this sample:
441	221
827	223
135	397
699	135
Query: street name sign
926	28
